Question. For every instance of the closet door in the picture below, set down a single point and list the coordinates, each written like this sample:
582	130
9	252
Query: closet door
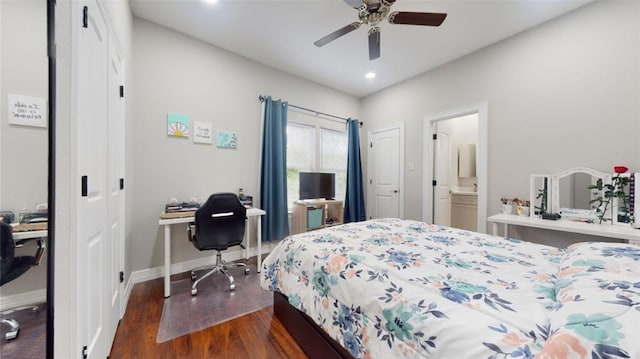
93	196
115	184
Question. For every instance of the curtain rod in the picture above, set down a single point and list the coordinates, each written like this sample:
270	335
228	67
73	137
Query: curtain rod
262	98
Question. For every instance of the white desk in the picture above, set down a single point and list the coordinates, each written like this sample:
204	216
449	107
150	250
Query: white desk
251	212
608	230
29	230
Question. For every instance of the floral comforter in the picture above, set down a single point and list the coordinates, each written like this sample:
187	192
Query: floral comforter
392	288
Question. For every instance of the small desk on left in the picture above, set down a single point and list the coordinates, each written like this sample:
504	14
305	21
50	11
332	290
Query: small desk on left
29	230
168	219
32	231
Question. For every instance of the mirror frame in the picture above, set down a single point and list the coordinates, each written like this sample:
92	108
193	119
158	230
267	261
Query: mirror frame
51	183
555	183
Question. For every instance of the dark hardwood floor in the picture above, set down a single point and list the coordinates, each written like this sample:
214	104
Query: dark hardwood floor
255	335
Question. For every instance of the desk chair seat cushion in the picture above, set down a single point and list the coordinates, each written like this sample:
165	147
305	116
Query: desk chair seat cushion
11	267
220	222
19	267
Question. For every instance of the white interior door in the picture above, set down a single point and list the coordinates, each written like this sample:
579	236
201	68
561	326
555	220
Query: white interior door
385	173
91	126
115	151
442	189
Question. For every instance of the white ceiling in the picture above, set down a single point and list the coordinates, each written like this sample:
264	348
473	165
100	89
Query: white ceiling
281	34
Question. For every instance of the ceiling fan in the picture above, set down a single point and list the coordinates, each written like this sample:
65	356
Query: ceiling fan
371	12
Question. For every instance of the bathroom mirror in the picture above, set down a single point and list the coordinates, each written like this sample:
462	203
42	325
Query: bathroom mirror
539	189
467	160
570	188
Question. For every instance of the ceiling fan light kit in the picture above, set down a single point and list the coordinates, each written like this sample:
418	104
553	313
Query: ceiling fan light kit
372	12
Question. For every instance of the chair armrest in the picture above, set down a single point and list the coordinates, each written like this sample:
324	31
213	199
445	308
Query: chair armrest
190	229
40	251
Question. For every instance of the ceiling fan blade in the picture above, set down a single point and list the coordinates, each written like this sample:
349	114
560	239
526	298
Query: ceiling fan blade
336	34
416	18
356	4
374	43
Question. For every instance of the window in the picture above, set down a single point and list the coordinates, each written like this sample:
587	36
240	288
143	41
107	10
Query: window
316	149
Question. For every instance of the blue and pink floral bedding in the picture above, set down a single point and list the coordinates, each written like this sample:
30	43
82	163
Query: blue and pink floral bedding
392	288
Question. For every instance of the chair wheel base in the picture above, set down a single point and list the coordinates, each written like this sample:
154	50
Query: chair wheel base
246	271
11	334
232	287
14	328
194	291
193	276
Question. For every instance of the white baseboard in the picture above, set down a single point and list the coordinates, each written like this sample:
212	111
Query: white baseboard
23	299
144	275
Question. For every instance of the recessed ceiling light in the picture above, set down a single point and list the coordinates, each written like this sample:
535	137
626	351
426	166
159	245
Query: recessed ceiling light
211	1
370	75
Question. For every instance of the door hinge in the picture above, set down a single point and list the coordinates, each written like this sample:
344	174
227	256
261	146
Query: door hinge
121	91
85	17
85	353
434	183
121	183
435	136
371	144
121	276
370	181
85	186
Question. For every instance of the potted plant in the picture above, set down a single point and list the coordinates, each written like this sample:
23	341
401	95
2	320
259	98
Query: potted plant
522	207
506	205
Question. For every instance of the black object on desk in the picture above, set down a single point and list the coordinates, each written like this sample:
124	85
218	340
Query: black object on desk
551	216
181	207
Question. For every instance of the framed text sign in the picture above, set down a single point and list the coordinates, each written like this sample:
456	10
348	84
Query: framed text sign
202	132
27	111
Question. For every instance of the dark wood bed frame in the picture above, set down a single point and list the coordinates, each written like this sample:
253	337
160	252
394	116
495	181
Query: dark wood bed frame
311	338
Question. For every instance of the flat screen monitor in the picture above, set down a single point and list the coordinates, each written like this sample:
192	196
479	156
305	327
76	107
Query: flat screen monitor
315	185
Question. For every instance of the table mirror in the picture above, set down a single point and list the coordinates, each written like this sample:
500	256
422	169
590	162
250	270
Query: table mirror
570	191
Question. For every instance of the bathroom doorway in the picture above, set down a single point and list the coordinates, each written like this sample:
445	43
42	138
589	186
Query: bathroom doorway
455	166
454	172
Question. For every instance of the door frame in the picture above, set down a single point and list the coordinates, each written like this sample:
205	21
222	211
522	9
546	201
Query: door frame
369	196
429	120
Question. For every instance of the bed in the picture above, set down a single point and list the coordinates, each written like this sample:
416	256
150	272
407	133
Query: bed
391	288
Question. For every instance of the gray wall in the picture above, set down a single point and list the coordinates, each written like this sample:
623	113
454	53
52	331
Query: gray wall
563	94
176	73
23	150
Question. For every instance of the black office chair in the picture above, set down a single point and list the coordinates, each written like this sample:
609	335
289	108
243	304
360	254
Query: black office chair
219	224
12	267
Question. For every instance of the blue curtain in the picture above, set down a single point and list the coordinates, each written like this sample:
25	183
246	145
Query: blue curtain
273	171
354	199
